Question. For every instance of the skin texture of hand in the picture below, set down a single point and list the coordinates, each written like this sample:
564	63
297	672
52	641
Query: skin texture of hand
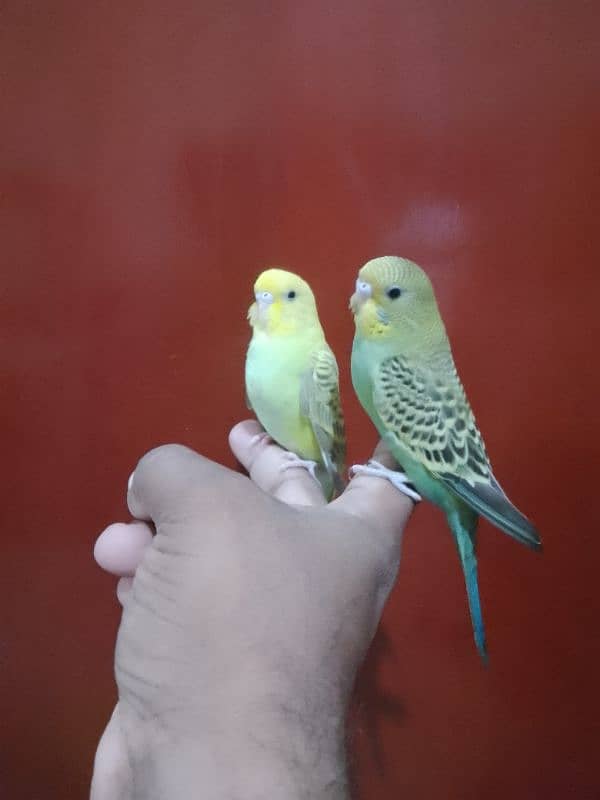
245	618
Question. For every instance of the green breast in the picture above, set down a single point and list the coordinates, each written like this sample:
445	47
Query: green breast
364	355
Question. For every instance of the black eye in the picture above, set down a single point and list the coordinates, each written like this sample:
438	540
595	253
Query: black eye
394	293
291	295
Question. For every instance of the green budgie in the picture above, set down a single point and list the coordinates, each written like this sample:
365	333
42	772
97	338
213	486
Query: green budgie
404	375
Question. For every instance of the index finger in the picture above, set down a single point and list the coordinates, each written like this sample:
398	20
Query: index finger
267	466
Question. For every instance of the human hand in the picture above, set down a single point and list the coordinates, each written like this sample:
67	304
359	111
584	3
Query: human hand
250	612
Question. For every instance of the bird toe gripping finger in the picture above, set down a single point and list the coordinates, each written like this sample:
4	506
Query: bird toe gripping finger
398	479
295	461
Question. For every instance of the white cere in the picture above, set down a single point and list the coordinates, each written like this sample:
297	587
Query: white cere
363	288
264	297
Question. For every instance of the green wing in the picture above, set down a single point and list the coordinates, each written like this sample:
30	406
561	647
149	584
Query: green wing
320	403
427	411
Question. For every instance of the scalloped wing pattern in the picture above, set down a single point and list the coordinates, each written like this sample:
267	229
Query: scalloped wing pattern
428	412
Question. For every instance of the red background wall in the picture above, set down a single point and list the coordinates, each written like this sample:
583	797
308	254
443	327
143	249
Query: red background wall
155	158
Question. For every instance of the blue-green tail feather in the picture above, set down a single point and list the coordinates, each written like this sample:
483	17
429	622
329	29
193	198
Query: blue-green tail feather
463	527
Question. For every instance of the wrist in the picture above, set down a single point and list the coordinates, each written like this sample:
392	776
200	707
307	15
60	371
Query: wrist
288	750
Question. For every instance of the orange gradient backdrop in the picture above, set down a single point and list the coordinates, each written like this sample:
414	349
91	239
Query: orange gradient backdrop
155	158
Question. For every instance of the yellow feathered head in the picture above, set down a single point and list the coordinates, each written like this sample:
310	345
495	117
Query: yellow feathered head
284	303
394	297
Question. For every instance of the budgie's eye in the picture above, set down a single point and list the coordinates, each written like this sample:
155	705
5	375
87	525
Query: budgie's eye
394	293
291	295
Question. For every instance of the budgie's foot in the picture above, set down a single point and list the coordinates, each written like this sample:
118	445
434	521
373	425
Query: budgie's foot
397	479
295	461
262	437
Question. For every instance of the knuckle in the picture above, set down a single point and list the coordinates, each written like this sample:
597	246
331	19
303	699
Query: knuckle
163	453
162	460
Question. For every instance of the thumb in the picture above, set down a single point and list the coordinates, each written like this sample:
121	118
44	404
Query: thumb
375	499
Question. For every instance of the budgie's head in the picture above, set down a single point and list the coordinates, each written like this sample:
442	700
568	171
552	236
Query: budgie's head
284	303
394	297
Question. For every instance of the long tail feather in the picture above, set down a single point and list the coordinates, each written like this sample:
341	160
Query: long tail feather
465	542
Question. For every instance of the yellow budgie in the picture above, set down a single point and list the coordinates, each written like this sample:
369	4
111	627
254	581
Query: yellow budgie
292	378
404	375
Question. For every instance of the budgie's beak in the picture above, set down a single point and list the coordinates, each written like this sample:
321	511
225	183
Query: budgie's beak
363	292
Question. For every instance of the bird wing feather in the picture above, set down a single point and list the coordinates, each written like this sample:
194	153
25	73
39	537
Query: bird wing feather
426	410
320	403
430	416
